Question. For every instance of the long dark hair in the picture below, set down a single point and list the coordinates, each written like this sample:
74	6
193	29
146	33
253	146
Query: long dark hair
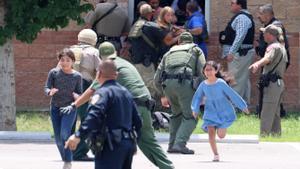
220	73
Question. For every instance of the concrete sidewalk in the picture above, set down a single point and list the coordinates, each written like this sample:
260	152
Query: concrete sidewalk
19	155
161	137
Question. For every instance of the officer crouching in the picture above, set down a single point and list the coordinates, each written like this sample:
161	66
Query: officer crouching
271	84
111	124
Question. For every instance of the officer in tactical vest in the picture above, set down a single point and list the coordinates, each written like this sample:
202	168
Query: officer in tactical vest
129	77
237	42
113	108
87	62
266	16
271	80
149	37
174	78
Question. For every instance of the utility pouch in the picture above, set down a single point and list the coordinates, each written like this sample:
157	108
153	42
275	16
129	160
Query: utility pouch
96	142
116	135
147	60
151	104
196	82
263	81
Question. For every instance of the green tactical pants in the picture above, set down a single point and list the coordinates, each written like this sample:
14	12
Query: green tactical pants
182	123
82	148
148	144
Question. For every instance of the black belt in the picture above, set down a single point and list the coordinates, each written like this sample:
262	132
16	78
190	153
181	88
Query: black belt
140	102
149	103
127	135
178	76
244	51
108	38
119	134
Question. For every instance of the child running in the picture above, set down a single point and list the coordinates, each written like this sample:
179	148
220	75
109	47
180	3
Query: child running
219	112
63	85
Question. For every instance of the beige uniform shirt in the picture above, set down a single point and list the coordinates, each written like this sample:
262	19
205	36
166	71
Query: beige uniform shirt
112	25
273	93
274	52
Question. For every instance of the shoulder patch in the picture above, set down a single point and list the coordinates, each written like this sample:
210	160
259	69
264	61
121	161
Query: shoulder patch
95	99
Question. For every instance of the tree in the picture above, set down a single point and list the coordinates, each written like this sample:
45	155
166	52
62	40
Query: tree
24	19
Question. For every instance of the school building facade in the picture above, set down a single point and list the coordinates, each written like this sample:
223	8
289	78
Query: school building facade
33	61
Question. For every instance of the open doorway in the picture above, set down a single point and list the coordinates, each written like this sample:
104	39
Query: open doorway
178	5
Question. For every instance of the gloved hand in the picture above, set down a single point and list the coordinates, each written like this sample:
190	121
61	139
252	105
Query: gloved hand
67	109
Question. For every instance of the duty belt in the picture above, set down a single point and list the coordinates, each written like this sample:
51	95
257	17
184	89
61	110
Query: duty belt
178	76
119	134
149	103
244	51
141	102
108	38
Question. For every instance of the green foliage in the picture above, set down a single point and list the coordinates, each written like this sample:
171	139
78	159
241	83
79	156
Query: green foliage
26	18
34	121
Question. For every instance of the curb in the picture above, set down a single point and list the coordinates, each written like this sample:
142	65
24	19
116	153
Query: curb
25	136
161	137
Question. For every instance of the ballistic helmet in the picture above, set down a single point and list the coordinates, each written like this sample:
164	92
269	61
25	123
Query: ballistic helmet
87	36
185	37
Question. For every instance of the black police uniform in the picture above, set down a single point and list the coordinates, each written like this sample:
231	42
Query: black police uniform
114	102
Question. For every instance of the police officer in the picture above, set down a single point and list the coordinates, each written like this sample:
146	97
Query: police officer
114	22
129	77
151	42
274	66
174	79
237	41
113	105
266	17
87	62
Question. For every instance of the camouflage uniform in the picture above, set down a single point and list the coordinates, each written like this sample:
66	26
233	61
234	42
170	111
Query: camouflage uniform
173	79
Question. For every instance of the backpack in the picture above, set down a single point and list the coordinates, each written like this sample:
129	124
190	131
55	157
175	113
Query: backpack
77	50
86	58
186	53
161	120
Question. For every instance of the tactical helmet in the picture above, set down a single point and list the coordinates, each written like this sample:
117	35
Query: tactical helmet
88	36
185	37
107	50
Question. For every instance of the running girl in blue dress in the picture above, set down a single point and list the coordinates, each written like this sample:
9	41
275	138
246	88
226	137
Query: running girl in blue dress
219	112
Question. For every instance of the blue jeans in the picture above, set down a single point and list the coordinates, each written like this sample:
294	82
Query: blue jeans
62	126
203	47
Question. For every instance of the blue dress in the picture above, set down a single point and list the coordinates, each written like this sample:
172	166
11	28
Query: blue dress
220	100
